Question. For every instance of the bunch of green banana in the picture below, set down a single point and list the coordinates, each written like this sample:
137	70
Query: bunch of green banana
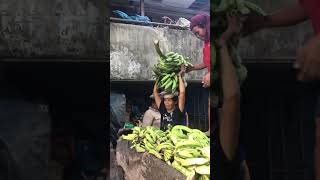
185	149
167	69
221	8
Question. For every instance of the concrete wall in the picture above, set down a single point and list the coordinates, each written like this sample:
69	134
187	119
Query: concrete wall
52	28
132	53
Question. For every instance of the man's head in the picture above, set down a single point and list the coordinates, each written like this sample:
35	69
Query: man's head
170	101
200	26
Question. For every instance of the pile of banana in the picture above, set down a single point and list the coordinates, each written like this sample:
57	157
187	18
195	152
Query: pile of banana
220	10
185	149
167	69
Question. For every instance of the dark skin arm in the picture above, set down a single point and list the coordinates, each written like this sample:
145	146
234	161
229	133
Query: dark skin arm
230	112
182	91
287	16
182	94
196	67
157	98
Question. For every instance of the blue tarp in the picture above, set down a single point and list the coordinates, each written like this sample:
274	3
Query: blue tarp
123	15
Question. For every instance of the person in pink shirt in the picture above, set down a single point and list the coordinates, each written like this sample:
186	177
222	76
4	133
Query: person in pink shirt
307	58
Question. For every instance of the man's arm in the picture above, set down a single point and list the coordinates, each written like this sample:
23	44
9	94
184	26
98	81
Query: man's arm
230	111
182	93
199	66
288	16
157	98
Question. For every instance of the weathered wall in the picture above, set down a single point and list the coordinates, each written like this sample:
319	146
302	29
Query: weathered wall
52	28
132	53
277	43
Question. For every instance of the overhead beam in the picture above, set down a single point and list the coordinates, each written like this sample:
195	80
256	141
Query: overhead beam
142	7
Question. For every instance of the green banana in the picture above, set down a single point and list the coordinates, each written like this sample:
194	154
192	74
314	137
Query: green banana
149	138
174	85
169	84
148	145
173	138
139	149
191	161
164	146
205	177
181	169
184	128
167	154
184	154
129	137
155	153
205	152
204	169
165	78
188	143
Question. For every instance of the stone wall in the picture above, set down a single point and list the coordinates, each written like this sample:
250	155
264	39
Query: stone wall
132	53
52	28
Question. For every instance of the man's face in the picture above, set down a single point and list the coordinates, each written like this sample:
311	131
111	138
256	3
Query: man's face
169	103
199	32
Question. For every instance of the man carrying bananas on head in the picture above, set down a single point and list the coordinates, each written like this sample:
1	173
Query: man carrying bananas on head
171	107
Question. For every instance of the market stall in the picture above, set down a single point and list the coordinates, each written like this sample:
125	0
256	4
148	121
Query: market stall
134	27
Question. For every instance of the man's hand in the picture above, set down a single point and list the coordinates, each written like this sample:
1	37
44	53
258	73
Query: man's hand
234	27
189	69
182	70
206	80
308	60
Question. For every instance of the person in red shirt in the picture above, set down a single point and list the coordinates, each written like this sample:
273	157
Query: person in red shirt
200	26
308	57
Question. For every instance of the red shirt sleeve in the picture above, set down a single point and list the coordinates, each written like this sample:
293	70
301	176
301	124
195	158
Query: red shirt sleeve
312	8
206	55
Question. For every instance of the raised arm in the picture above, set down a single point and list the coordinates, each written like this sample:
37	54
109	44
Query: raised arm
157	98
182	93
230	112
